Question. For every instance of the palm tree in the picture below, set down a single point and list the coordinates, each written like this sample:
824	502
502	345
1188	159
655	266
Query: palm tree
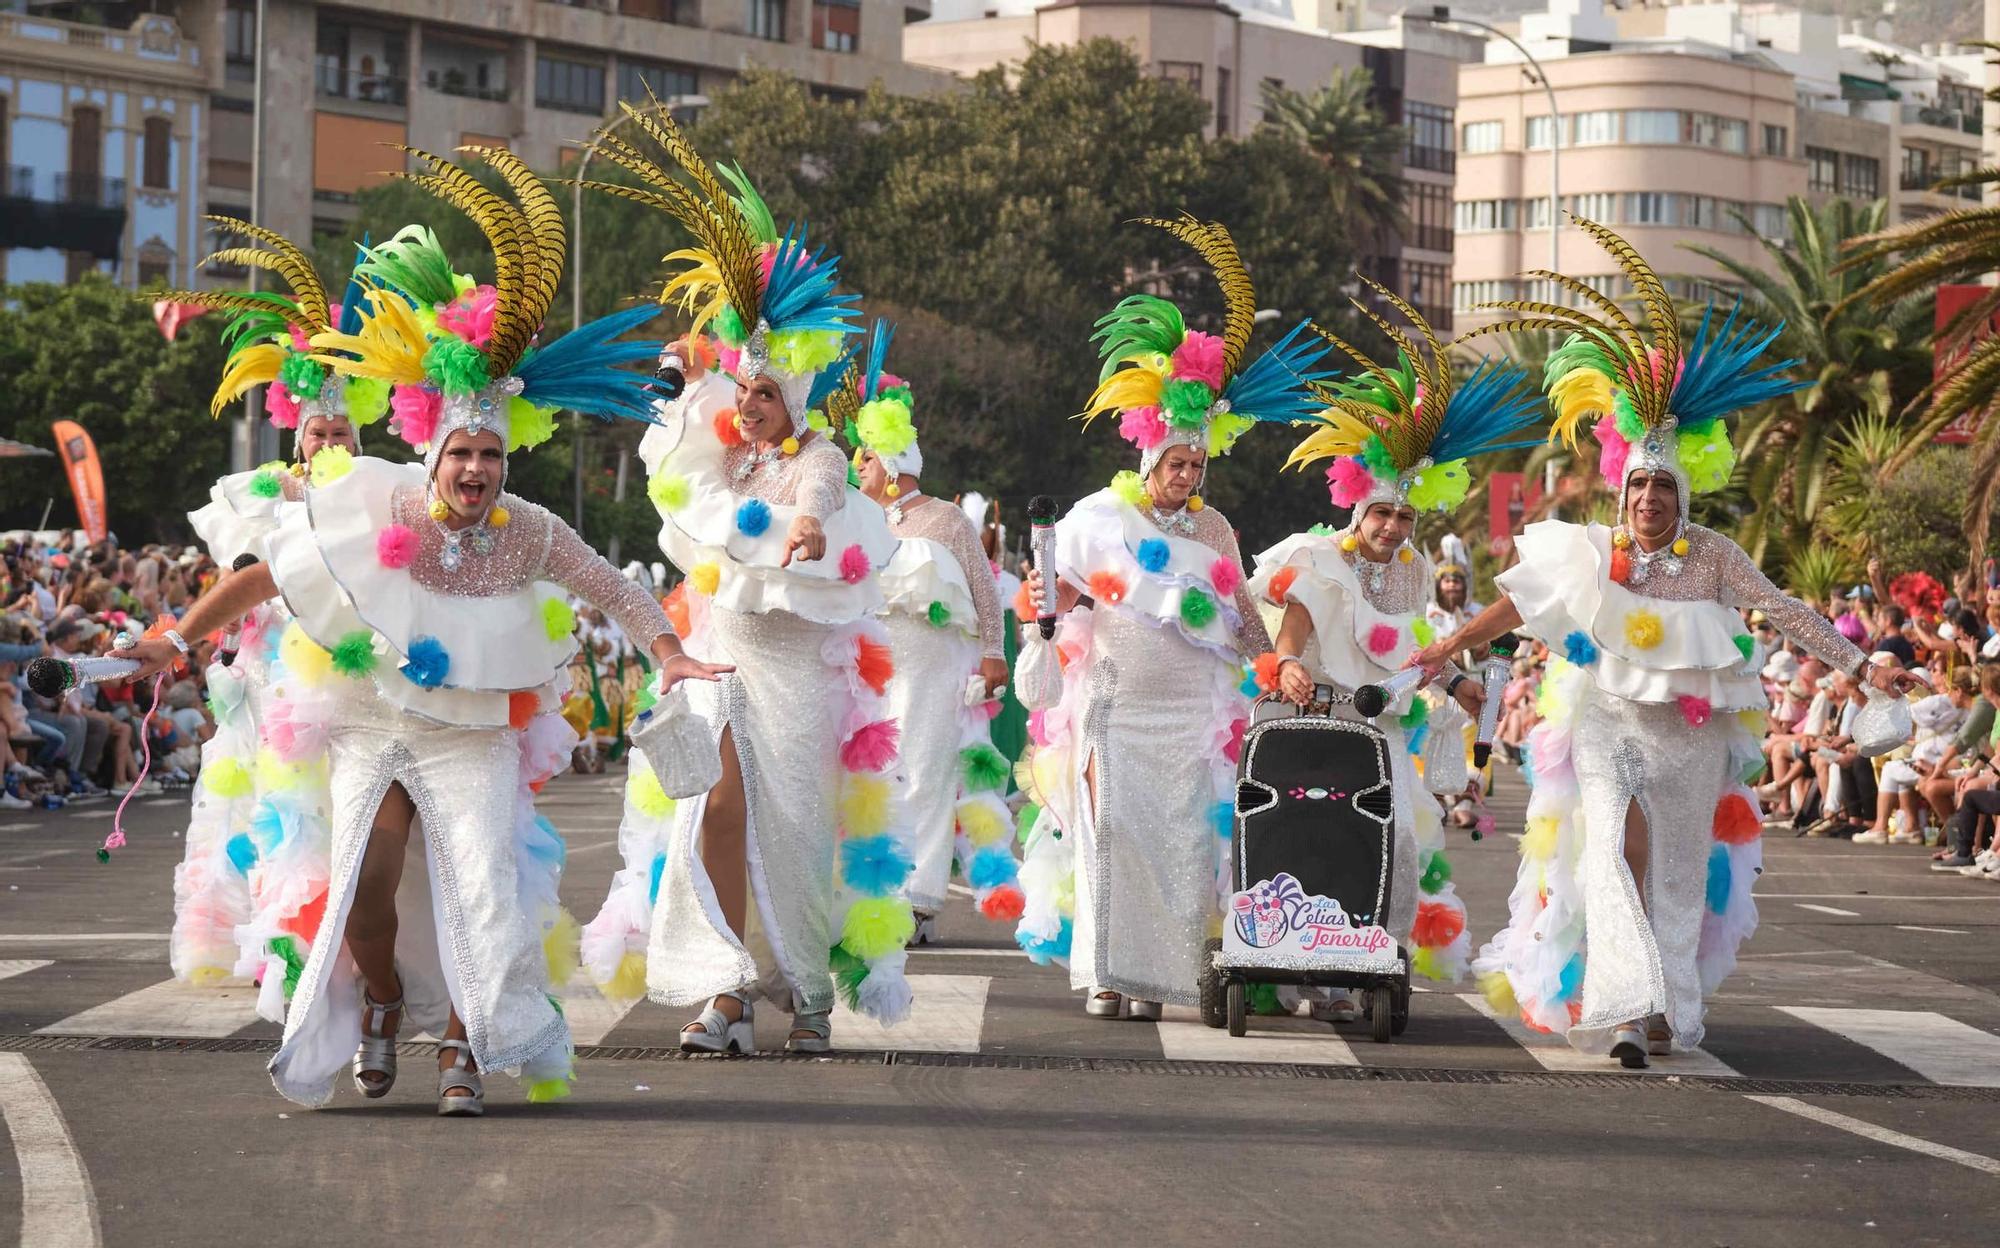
1858	362
1958	246
1361	149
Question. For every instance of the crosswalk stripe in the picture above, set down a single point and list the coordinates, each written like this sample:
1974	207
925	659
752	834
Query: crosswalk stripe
946	1016
10	967
1942	1050
168	1008
1184	1037
1555	1053
1881	1135
1834	910
591	1015
58	1207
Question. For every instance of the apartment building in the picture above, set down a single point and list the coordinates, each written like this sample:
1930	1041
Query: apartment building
95	96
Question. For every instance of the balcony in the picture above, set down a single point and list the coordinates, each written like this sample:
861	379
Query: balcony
336	81
1926	180
84	213
86	190
1942	118
1435	159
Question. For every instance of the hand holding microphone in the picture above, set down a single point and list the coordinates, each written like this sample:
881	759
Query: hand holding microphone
53	677
1493	675
1042	537
232	637
1372	700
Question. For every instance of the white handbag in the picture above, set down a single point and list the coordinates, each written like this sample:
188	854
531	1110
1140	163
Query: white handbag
1445	769
679	743
1882	724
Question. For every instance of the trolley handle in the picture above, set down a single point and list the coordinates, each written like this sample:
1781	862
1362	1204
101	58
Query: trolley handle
1324	699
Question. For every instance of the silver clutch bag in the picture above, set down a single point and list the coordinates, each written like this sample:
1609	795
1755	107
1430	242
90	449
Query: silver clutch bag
1882	724
679	744
1445	769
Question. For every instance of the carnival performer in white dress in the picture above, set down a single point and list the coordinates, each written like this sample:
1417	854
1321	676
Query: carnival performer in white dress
1451	604
419	611
944	621
785	771
1137	730
1354	601
1642	841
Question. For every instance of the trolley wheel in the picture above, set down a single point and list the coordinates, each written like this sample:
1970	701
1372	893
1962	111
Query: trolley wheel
1235	994
1212	1009
1399	1015
1382	1013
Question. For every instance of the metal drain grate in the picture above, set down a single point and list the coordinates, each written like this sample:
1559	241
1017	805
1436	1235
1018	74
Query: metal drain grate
1101	1066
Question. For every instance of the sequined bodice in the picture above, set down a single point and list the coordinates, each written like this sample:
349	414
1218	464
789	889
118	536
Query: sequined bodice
812	480
1395	587
1212	529
938	521
1715	569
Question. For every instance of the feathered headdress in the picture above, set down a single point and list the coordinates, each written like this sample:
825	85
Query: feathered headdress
771	302
875	409
1658	404
462	356
1172	385
268	336
1404	433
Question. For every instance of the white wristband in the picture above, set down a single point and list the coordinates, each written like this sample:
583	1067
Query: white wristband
180	642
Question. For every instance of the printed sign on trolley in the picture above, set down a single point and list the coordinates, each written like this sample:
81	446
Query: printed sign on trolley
1278	922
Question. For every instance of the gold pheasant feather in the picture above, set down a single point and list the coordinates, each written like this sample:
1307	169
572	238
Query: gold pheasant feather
720	229
547	238
506	232
845	402
281	256
1239	298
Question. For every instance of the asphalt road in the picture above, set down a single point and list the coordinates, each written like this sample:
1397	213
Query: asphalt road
1847	1093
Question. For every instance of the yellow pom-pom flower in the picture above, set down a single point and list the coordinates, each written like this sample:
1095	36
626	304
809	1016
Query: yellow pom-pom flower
331	464
1350	543
1499	993
1538	843
864	805
670	492
558	620
1643	629
1130	487
1620	538
304	658
642	789
628	982
1405	555
705	578
1195	502
498	518
981	824
560	944
227	777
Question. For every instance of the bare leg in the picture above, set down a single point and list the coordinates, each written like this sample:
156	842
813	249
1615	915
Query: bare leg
1638	854
1090	782
725	857
371	919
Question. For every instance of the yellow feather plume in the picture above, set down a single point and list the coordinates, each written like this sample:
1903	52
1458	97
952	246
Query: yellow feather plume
1578	395
252	366
1138	384
390	346
1342	433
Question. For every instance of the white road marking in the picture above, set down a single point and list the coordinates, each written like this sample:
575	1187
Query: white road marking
17	827
578	851
947	1016
1993	896
1942	1050
933	951
168	1008
1881	1135
58	1209
591	1015
10	967
1941	931
959	889
1845	914
1185	1038
78	938
1555	1053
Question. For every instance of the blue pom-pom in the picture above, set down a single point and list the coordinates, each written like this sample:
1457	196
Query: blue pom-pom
242	852
1249	687
1570	982
1721	877
991	867
1042	952
753	517
1153	555
1579	649
1222	817
267	828
653	878
874	866
547	847
1415	741
427	662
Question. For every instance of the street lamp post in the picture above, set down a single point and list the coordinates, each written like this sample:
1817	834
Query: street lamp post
667	105
1441	15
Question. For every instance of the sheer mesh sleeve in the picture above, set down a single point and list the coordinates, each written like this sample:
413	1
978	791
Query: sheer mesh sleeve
1743	585
941	522
572	564
822	478
1252	638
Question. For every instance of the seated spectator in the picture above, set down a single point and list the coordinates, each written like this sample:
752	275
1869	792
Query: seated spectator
1969	746
1936	718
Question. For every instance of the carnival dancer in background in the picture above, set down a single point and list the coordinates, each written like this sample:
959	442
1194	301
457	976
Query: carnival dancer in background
944	623
421	620
788	767
1138	728
1642	841
1355	601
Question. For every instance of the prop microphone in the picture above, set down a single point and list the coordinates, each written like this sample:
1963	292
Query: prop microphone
1042	537
232	637
670	376
52	678
1372	700
1493	675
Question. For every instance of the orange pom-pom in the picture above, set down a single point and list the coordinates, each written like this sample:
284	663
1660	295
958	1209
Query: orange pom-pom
305	924
1266	668
726	431
1025	607
1107	587
1281	584
536	786
873	663
522	707
676	607
1005	903
1437	925
1621	566
1736	821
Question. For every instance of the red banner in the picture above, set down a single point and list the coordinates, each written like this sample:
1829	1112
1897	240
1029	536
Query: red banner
86	477
1952	300
1508	497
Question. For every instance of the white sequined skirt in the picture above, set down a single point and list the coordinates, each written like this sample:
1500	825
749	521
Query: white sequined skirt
927	698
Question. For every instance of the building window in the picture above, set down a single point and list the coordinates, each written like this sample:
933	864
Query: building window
836	25
239	41
1431	131
1480	136
1467	296
156	149
1822	169
1860	176
1649	208
1771	221
1601	207
1429	209
1652	125
636	78
1541	131
572	86
1429	289
1480	216
767	20
1589	129
1777	140
475	70
678	12
1187	73
1225	107
1270	88
156	266
1535	213
354	62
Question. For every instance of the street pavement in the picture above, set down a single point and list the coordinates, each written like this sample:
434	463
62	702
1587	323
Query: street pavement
1846	1093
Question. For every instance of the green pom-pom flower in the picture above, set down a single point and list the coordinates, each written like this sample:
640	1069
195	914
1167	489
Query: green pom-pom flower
1130	487
877	927
267	484
1437	872
1707	455
456	366
1024	823
302	375
986	769
558	621
804	350
354	654
1197	609
849	972
1186	403
728	325
1744	645
1376	458
1225	429
1415	717
1321	530
527	425
367	400
1421	630
669	492
939	615
884	427
1441	487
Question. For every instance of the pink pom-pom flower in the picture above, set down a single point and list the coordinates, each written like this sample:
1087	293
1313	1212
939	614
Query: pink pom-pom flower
470	316
1696	711
1348	481
414	412
730	358
300	343
1225	575
1232	747
1143	427
871	747
396	546
293	731
1612	450
854	565
280	406
1199	358
1382	639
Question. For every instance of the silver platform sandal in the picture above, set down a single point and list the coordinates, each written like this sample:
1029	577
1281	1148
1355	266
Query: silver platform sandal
459	1075
719	1034
820	1024
1659	1036
1143	1011
377	1053
1628	1045
1105	1004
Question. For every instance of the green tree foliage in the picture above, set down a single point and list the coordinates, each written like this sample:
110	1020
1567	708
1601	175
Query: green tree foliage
1342	128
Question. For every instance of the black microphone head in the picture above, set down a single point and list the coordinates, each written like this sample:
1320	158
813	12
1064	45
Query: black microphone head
1481	751
243	561
669	379
1042	509
1505	645
1370	700
51	678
